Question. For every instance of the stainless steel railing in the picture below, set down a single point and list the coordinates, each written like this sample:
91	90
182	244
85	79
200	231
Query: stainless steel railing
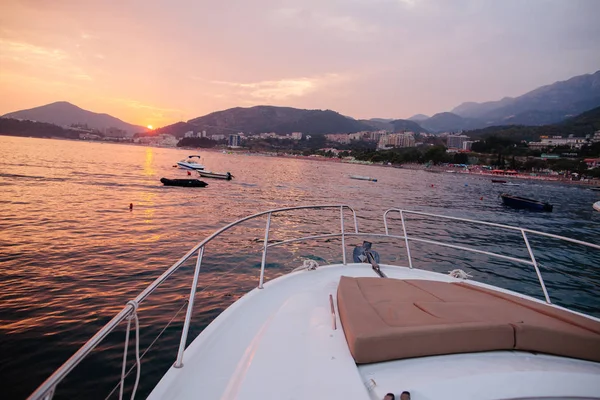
532	261
46	390
129	312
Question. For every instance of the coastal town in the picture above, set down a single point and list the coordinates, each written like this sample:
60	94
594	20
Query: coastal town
565	157
553	157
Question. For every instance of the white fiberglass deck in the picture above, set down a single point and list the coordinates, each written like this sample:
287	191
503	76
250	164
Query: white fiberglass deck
280	343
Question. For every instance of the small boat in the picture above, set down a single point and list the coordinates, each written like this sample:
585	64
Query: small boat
363	178
215	175
596	206
595	189
190	163
498	181
183	182
510	184
524	203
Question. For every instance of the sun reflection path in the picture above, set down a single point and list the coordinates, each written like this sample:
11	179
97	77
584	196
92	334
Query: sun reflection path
148	165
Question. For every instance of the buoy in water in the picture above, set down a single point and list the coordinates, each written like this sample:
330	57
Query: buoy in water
481	198
189	173
130	206
431	185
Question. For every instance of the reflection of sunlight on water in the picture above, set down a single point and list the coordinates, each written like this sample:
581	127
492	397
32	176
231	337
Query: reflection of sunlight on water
148	198
72	253
148	169
152	239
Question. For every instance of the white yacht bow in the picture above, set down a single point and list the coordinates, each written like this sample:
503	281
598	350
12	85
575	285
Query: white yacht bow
362	330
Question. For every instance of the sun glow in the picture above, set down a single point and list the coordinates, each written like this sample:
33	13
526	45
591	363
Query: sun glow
150	127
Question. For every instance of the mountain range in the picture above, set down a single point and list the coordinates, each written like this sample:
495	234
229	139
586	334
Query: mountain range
283	120
545	105
62	113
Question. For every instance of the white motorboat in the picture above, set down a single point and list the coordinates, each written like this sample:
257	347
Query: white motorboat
362	329
596	206
191	163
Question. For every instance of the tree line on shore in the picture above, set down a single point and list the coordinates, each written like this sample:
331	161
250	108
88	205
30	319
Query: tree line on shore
498	152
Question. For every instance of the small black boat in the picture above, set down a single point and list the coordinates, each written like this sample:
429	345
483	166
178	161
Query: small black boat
498	181
524	203
183	182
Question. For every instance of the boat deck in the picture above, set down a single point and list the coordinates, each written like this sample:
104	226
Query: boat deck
280	342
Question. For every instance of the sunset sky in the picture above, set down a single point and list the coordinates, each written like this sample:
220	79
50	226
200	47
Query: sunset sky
158	62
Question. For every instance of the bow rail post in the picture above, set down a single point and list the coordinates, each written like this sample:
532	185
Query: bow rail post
343	236
264	253
410	265
537	268
188	314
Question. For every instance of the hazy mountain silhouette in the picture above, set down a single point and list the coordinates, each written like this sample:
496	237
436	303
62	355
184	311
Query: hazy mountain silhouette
581	125
63	113
545	104
404	125
418	117
281	120
449	122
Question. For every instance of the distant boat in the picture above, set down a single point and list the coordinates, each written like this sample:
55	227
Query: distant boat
190	163
498	181
596	206
183	182
215	175
363	178
596	189
510	184
525	203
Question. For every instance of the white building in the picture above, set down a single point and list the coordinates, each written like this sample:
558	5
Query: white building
467	145
190	134
456	141
396	140
267	135
163	139
115	133
217	137
297	135
375	136
167	140
234	141
356	136
555	141
338	137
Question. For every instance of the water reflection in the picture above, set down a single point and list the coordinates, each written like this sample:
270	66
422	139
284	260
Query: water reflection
72	253
148	165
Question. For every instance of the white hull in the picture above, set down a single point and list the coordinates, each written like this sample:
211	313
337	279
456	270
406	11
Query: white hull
214	175
363	178
190	166
279	343
596	206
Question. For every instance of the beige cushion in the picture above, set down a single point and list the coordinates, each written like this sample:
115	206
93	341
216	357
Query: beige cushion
388	319
565	316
